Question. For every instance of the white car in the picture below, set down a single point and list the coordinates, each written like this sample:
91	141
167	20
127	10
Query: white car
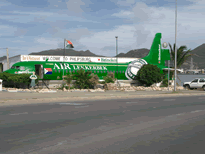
196	83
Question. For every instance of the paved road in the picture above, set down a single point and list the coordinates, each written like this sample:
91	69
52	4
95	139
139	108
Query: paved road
146	125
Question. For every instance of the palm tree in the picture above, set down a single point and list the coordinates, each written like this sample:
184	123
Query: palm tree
182	55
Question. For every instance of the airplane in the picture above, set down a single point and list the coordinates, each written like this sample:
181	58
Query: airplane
54	70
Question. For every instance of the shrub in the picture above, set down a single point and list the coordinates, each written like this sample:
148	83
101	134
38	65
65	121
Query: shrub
94	80
165	82
68	79
82	79
109	78
149	74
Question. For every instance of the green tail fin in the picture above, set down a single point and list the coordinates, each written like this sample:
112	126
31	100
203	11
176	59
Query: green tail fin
157	55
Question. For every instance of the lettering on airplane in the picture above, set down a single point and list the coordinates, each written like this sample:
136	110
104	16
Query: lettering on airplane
31	58
78	67
159	58
108	59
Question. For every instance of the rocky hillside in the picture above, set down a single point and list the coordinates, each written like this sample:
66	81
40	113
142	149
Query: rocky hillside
68	52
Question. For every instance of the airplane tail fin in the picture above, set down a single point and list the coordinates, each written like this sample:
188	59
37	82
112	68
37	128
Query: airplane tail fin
157	55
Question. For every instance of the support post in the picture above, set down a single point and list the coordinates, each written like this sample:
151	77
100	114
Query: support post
175	67
8	65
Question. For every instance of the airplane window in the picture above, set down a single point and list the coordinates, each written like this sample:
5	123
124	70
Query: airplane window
101	71
94	71
70	71
59	71
22	68
66	71
113	71
104	71
55	71
18	67
12	67
122	71
98	71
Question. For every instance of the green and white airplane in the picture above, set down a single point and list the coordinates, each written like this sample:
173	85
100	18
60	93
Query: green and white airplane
54	69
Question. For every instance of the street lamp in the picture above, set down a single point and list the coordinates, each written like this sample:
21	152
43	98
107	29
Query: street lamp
175	63
117	58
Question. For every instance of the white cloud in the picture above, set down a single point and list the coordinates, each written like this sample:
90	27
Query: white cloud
103	43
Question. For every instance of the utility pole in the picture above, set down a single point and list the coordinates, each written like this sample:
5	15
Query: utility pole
63	58
8	65
7	50
117	59
175	67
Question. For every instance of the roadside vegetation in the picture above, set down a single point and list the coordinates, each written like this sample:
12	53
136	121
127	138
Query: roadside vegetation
85	80
16	80
148	75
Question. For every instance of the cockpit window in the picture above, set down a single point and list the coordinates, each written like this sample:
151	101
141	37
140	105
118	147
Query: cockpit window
18	67
12	67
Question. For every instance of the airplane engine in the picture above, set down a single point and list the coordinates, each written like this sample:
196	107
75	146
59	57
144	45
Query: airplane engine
133	68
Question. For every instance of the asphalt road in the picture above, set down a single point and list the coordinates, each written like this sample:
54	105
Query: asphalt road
146	125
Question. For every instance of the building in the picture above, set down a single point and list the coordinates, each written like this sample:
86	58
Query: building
12	60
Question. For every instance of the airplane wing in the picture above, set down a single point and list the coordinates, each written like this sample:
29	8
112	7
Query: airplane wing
172	69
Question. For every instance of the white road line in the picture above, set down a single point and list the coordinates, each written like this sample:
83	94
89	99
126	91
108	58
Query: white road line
169	99
131	102
81	106
19	113
196	111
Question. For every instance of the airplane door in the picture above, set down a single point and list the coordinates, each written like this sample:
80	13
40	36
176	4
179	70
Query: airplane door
39	71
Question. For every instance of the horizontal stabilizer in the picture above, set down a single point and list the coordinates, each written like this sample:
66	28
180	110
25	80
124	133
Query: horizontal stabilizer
172	69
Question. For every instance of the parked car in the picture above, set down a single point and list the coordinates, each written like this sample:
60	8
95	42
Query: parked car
194	84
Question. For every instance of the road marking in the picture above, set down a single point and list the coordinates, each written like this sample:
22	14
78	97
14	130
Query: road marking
169	99
196	111
71	103
131	102
19	113
81	106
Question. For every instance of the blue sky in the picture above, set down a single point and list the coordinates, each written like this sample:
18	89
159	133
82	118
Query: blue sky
32	26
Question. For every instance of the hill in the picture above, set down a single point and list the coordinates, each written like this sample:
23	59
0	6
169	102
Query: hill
198	58
68	52
137	53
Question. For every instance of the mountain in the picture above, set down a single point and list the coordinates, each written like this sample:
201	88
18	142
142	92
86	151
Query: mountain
68	52
137	53
2	58
198	58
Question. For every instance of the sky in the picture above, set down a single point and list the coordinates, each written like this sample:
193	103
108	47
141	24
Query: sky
35	25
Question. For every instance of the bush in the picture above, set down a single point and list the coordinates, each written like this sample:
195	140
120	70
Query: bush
165	82
82	79
148	75
109	78
16	80
94	80
68	79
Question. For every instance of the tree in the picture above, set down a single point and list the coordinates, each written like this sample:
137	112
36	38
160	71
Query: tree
82	79
68	79
182	55
149	74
